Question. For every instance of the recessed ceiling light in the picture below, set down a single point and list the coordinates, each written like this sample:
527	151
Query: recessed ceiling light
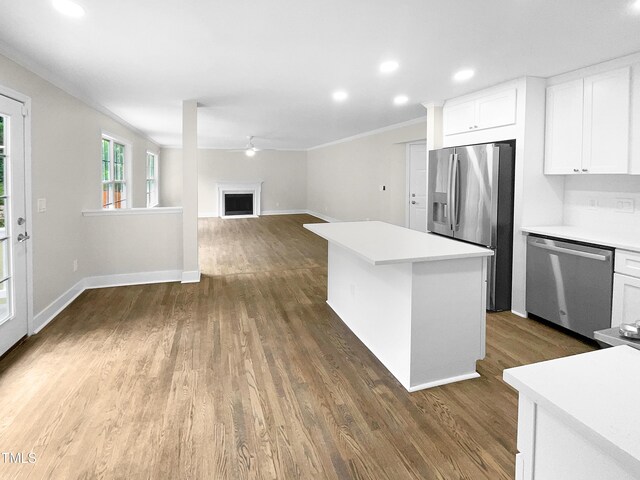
463	75
340	96
400	99
69	8
389	66
635	6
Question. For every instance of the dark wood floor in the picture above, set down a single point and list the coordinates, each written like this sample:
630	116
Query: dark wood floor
249	374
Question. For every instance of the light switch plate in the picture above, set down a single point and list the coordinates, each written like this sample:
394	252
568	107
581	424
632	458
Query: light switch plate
625	205
42	205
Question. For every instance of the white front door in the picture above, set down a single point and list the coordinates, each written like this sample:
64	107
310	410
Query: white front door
418	187
13	235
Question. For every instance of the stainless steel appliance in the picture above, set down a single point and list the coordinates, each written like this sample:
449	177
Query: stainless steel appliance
470	198
570	284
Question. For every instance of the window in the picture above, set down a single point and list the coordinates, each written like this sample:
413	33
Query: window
152	180
114	182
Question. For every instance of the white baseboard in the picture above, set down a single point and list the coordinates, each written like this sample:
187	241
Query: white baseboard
191	277
326	218
139	278
520	314
50	312
282	212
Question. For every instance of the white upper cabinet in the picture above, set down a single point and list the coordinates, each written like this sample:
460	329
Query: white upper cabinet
606	122
563	145
587	128
490	111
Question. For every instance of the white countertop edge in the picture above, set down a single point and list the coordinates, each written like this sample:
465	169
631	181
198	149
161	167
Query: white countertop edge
569	232
622	456
132	211
430	258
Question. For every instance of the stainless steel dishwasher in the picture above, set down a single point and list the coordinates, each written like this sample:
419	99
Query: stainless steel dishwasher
570	284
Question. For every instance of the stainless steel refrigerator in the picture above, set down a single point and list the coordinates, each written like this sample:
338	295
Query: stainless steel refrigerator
470	198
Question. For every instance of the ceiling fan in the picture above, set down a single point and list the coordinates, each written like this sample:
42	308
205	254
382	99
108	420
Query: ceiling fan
250	150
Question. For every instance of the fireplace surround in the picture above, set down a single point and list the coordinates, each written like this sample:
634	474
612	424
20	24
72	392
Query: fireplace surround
238	192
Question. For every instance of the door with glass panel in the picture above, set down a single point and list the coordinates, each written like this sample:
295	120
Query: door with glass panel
13	235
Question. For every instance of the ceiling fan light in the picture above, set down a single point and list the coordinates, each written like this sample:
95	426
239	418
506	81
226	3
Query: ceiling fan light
250	152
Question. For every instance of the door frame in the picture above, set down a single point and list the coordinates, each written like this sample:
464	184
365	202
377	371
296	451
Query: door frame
407	181
26	102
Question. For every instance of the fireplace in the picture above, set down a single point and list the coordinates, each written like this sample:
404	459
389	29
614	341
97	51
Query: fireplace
238	200
238	204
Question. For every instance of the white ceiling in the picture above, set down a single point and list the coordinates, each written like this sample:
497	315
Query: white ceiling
268	68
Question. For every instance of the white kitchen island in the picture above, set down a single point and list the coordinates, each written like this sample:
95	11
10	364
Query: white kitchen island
416	300
578	417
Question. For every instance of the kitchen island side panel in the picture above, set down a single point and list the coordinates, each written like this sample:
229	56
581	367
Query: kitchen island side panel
374	301
448	320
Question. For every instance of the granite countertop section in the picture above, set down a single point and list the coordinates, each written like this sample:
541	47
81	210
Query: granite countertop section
623	239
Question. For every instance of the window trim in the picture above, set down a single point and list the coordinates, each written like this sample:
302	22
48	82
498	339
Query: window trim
126	171
156	178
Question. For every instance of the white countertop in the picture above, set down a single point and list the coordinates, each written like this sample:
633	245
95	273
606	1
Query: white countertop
381	243
597	393
624	239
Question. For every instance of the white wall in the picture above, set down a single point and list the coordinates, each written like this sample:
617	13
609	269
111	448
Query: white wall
284	176
343	179
591	201
66	171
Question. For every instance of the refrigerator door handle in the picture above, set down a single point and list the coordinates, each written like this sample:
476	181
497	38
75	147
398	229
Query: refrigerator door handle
456	192
450	201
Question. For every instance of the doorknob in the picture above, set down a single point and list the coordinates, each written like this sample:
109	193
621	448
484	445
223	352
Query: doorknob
23	237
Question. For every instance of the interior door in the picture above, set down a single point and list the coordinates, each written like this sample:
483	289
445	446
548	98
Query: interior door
475	174
418	187
13	235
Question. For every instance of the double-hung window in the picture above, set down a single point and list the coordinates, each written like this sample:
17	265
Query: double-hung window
152	180
114	181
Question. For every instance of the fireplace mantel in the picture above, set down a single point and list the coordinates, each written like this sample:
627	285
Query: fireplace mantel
239	187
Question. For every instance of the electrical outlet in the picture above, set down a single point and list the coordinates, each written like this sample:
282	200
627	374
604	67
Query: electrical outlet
42	205
625	205
382	188
593	203
75	265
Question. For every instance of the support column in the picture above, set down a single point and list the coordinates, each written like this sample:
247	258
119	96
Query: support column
434	125
190	264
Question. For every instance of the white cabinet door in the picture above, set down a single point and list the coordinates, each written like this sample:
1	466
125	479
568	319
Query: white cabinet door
606	122
459	118
626	299
496	110
563	138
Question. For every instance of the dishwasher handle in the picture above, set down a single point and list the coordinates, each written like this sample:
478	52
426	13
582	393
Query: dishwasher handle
570	251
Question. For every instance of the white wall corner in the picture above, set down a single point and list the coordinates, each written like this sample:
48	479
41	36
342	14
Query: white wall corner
191	276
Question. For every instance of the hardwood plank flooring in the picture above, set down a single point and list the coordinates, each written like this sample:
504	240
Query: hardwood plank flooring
249	375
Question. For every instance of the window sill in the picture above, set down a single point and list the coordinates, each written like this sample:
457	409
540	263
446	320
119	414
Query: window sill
132	211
